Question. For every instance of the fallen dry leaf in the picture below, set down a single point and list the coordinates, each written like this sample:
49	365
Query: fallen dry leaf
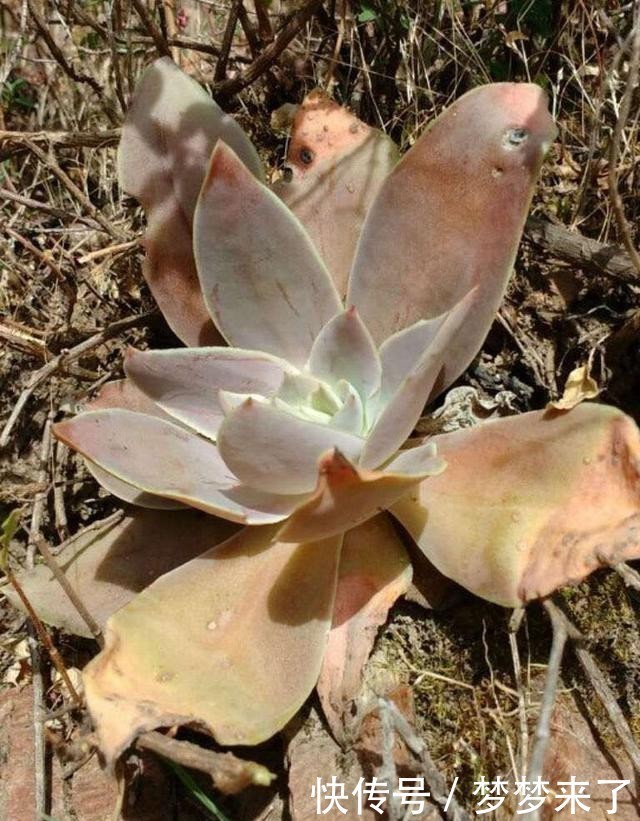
579	386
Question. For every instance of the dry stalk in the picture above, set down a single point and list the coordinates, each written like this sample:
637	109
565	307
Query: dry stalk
616	140
450	807
599	684
65	358
43	636
228	773
542	734
225	89
63	581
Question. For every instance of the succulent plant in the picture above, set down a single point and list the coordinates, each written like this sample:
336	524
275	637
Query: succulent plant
299	429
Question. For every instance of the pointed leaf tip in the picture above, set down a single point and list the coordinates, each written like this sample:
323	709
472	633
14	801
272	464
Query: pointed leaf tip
262	280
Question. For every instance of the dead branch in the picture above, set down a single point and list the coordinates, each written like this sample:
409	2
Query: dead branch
220	71
65	358
229	774
572	246
43	636
616	139
63	581
542	734
61	60
48	209
453	811
68	139
602	689
149	23
71	187
225	89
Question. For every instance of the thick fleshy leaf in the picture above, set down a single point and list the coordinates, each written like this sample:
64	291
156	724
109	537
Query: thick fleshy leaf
346	496
185	382
530	503
262	280
338	164
171	127
400	353
231	641
402	410
130	493
375	570
350	417
108	568
166	460
273	449
123	393
450	215
345	350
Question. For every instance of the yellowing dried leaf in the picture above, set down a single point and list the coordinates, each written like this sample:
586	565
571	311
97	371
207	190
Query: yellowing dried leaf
580	385
231	642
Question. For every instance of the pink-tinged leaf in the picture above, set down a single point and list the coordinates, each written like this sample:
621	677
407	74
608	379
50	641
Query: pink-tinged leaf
450	215
171	127
375	571
262	280
273	449
345	350
123	393
186	382
346	496
231	642
530	503
130	493
400	353
108	568
166	460
337	167
403	408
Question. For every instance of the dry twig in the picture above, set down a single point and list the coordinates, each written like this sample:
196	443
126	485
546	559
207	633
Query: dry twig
616	139
599	684
268	57
542	734
65	358
452	810
229	774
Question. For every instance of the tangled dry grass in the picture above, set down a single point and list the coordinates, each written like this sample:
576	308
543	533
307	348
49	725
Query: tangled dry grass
72	296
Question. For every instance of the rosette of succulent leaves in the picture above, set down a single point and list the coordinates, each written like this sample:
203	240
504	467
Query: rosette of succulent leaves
320	316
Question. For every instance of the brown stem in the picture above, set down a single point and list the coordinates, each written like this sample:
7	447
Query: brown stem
54	567
264	61
616	139
227	41
43	636
228	773
149	23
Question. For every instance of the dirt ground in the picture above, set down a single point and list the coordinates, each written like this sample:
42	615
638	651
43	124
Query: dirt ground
70	267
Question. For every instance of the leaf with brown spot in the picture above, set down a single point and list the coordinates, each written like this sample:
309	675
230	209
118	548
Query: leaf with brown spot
450	215
338	164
